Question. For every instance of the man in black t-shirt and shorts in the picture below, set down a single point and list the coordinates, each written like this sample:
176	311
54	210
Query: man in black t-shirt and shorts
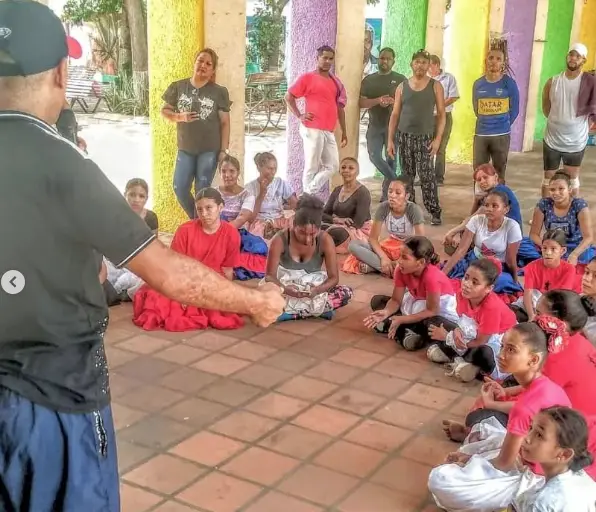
58	213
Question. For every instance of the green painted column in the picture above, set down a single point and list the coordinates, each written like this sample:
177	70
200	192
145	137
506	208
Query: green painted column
404	30
558	32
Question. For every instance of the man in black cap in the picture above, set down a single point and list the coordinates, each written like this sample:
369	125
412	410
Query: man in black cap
58	213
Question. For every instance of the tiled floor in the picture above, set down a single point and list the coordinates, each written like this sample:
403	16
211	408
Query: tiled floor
305	416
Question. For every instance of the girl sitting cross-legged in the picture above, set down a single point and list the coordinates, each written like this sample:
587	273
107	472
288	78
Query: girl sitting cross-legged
421	294
295	263
471	346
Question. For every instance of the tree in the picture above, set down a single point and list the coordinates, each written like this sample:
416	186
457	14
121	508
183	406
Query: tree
137	24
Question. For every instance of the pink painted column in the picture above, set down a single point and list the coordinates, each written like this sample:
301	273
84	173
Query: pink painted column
518	26
312	25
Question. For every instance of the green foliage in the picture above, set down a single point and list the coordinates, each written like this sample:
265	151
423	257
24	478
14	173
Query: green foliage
107	38
126	97
269	28
80	11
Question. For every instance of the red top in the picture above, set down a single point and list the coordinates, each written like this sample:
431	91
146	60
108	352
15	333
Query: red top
539	277
432	280
492	315
574	369
320	94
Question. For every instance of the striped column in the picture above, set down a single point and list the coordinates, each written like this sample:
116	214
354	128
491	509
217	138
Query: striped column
587	33
312	24
175	35
467	53
404	30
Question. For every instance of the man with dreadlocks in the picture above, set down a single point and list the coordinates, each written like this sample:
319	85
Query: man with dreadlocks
496	104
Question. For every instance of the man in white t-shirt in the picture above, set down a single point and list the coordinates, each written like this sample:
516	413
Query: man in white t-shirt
567	126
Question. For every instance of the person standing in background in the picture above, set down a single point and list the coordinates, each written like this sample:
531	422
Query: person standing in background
496	105
376	94
447	80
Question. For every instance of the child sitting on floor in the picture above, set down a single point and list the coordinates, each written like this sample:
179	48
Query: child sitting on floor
474	342
421	294
588	289
550	272
472	482
558	441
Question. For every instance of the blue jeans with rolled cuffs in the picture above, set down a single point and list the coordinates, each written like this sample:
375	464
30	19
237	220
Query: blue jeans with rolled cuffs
199	169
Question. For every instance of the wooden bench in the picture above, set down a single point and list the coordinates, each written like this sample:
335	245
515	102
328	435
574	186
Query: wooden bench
265	95
82	86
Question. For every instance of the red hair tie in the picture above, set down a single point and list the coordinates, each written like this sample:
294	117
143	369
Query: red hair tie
556	332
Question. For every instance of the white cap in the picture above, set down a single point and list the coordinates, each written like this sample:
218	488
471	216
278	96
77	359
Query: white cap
579	48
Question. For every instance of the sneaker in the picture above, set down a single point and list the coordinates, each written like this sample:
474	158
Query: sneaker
466	372
436	220
436	355
451	367
364	268
412	341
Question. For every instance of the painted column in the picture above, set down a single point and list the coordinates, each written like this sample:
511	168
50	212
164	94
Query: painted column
435	22
496	17
558	33
519	20
404	30
587	34
348	66
469	31
229	45
576	24
312	25
175	35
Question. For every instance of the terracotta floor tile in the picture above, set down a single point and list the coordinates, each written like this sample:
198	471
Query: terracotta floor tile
277	502
207	449
275	405
150	398
137	500
173	506
337	334
333	372
260	466
220	364
399	367
117	357
147	368
230	392
302	327
155	432
187	380
125	416
379	436
219	493
164	474
244	426
318	484
371	497
427	450
247	331
431	397
182	354
249	350
379	384
262	376
295	441
358	358
377	343
315	347
306	388
130	455
463	406
276	338
350	458
175	337
326	420
363	296
405	415
432	508
290	361
121	385
404	475
212	341
143	344
115	334
196	412
354	322
353	400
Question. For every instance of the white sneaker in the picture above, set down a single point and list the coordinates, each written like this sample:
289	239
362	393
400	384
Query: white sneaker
412	341
436	355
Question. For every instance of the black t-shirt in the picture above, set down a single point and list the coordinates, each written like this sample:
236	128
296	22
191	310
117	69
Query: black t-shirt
375	86
204	134
151	220
58	214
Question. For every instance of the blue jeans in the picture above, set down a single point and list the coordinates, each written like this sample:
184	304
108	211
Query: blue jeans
198	168
53	461
376	143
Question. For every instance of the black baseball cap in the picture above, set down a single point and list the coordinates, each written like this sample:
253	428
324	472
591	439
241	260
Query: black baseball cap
33	38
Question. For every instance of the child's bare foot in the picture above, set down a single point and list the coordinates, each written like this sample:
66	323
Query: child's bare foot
455	431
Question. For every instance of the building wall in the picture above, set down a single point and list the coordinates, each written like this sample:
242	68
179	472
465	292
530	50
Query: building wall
587	33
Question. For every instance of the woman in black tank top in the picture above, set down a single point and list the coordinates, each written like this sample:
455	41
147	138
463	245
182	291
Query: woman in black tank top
295	263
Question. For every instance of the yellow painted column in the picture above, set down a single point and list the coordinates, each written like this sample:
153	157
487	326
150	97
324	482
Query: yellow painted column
587	34
349	67
175	35
435	23
534	95
466	61
225	32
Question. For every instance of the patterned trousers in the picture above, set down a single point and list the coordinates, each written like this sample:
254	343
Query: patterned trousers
415	158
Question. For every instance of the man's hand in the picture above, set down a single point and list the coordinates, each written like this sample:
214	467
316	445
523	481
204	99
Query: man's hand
307	116
268	305
344	140
434	146
386	101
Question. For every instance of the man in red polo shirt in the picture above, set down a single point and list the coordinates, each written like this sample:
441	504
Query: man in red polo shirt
325	99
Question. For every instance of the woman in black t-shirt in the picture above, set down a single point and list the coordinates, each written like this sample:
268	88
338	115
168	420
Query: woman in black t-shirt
201	110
